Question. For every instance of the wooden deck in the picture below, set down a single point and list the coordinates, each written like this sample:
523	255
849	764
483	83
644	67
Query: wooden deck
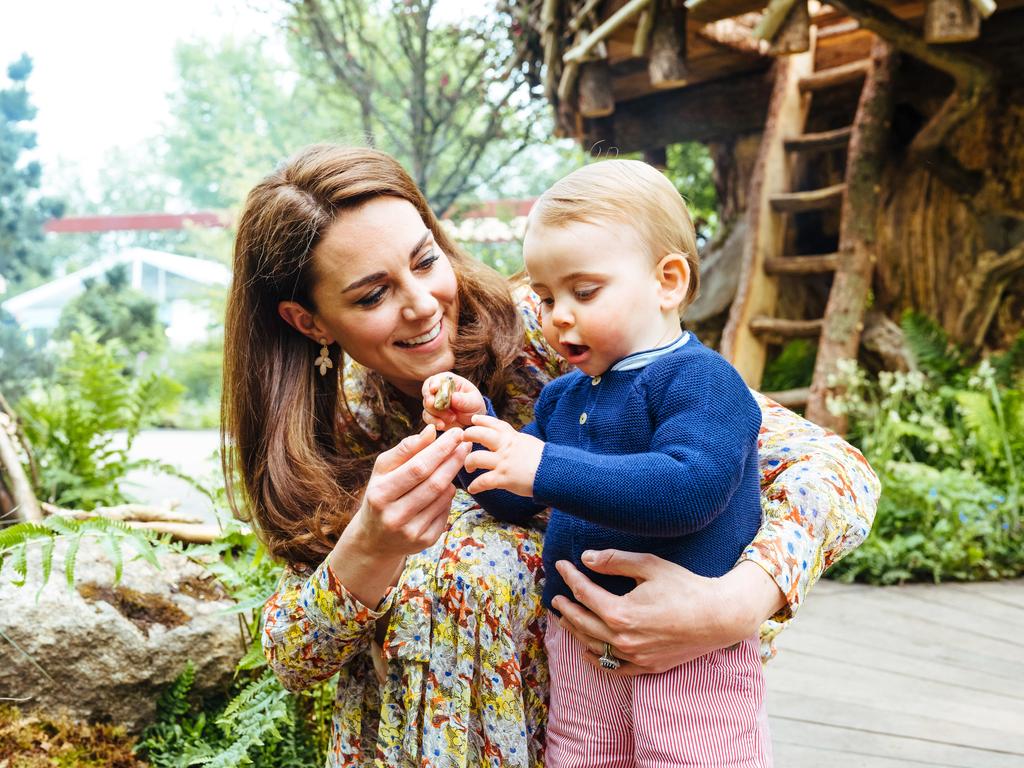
920	675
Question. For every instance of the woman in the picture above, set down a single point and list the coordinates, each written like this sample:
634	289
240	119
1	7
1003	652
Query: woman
428	610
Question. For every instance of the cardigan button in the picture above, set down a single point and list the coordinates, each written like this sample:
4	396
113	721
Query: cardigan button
595	381
583	418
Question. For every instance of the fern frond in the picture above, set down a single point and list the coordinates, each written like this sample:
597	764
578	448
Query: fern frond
931	348
70	556
1009	364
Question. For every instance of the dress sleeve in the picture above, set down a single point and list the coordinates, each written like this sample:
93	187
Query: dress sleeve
313	626
818	497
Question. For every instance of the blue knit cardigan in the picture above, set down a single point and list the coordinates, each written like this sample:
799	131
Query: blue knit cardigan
658	454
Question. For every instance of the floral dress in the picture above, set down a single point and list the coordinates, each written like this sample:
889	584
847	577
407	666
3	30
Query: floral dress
463	679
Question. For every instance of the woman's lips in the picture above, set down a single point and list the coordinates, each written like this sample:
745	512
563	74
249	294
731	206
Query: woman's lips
426	338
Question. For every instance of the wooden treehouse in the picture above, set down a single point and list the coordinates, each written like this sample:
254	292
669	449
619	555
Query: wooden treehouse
869	159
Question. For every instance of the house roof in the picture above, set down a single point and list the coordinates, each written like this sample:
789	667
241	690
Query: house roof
197	270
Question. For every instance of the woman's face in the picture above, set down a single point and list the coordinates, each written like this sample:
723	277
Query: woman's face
387	293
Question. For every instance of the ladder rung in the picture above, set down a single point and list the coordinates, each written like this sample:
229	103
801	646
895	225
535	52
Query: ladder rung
840	137
836	30
790	398
802	265
830	78
785	329
811	200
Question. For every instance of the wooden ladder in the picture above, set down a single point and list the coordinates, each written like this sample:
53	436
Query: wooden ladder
754	318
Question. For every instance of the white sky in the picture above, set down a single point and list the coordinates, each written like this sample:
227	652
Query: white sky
102	68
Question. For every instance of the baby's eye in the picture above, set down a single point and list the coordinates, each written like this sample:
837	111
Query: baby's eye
585	293
549	303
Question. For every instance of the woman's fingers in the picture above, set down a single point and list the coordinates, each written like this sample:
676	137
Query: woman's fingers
423	495
600	601
419	467
395	457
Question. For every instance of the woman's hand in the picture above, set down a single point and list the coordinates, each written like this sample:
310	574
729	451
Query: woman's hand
405	510
672	616
465	402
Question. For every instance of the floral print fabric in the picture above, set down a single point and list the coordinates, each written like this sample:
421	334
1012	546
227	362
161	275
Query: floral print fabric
466	680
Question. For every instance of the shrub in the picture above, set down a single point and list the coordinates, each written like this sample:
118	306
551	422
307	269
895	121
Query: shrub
947	441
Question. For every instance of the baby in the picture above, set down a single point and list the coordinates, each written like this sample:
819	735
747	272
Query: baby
649	445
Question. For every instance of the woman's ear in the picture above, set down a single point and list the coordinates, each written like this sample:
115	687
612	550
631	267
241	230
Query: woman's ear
673	273
302	320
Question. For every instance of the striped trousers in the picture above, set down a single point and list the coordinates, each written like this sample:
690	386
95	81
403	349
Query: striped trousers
708	712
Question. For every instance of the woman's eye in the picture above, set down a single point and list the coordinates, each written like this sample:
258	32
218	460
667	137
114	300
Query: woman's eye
373	297
428	261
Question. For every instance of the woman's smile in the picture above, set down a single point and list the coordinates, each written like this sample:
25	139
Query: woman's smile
424	339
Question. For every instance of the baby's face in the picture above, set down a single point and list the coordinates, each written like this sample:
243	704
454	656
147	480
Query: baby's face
601	295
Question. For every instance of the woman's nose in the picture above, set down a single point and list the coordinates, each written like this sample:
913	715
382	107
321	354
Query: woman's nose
420	303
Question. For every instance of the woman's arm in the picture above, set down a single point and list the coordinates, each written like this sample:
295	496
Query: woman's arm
818	496
314	625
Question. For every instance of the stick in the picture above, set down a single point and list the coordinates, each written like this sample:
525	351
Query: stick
27	506
138	513
616	20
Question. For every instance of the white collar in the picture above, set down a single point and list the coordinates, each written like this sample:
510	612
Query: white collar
648	356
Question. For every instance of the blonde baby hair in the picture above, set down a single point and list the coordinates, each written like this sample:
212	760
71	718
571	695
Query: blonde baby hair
631	193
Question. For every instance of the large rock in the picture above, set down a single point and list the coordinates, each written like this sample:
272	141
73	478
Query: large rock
107	650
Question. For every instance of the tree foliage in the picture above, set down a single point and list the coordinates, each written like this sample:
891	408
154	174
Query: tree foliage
449	98
116	311
22	210
241	108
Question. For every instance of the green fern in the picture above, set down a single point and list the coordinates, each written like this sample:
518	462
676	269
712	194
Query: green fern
16	539
931	348
82	425
1009	365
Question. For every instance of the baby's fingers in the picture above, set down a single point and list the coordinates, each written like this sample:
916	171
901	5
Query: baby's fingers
488	481
481	460
485	436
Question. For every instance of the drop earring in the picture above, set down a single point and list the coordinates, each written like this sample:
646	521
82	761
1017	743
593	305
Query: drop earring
324	361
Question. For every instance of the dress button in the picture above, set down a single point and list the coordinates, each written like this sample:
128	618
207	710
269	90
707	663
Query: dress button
583	418
595	381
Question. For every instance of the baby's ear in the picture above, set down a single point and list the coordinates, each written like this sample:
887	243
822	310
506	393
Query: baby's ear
673	273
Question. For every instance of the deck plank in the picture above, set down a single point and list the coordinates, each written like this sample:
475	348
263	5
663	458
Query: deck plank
929	675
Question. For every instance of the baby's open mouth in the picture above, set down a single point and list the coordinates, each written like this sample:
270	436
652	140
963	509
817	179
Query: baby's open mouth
575	350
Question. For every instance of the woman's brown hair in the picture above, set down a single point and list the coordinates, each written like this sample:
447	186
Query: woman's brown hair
301	479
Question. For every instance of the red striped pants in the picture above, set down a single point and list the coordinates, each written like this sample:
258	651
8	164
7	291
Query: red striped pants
708	712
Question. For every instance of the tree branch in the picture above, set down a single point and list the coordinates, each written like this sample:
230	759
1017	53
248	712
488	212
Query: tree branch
987	282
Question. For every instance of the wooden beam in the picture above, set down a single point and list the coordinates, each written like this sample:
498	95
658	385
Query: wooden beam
790	398
802	265
794	36
718	109
777	328
667	65
613	22
644	29
951	21
810	200
595	89
819	142
867	157
831	78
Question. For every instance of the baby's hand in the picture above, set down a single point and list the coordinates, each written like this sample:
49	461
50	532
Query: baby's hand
450	400
511	457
